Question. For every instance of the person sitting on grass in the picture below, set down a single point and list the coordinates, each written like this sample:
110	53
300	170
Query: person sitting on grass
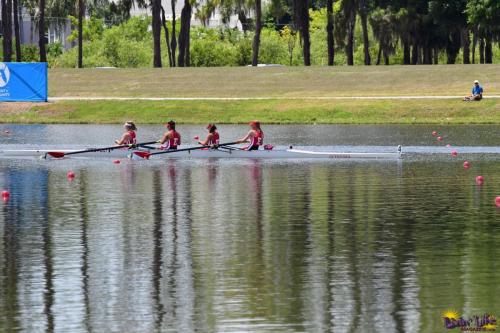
477	93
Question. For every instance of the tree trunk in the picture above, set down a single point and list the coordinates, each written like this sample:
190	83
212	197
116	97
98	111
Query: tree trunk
7	30
329	32
474	44
364	27
379	54
156	26
184	33
386	59
466	45
81	12
350	38
301	9
16	31
481	50
188	50
406	53
414	54
167	37
41	31
256	37
427	55
173	42
488	49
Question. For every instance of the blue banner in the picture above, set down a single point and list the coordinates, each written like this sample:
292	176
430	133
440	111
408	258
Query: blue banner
23	82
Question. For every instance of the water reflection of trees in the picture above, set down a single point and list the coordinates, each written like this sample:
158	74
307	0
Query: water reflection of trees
216	246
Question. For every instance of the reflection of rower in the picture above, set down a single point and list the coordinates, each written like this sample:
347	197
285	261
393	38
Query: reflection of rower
171	138
212	136
129	137
255	136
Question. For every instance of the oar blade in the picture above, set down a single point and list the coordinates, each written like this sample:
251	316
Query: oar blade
55	154
142	154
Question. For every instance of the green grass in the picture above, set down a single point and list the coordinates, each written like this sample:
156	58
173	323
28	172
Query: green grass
275	81
268	111
289	84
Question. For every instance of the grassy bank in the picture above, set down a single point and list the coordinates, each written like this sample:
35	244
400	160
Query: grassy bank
287	85
268	111
275	81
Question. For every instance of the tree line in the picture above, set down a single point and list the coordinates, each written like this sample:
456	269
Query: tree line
423	29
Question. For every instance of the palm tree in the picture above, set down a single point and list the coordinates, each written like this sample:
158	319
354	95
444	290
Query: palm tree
382	23
167	37
173	43
301	14
81	13
329	32
7	29
41	31
349	10
256	38
17	34
363	13
184	38
156	23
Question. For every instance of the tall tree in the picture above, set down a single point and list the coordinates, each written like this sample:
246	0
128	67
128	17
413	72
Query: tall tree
382	22
363	13
156	27
301	14
173	43
349	12
329	32
17	34
81	13
41	31
465	35
7	29
484	16
167	37
184	38
256	38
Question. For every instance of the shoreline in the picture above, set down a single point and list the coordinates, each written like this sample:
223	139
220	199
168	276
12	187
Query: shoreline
270	111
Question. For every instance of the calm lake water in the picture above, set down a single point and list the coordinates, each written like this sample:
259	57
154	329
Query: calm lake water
249	245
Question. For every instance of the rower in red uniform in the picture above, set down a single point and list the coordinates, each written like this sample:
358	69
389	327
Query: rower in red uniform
212	136
171	138
129	137
255	136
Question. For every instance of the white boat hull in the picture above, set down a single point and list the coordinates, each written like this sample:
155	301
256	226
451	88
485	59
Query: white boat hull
210	153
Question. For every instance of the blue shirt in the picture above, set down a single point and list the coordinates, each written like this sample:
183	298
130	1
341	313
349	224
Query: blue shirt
477	90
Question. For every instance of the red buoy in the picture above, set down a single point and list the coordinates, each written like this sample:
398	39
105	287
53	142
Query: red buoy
116	161
197	137
454	153
479	180
70	175
5	196
497	201
440	138
434	133
466	164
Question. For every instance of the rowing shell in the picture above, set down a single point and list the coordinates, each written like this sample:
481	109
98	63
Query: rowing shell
212	153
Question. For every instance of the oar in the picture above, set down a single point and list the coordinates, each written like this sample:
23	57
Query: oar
60	154
146	155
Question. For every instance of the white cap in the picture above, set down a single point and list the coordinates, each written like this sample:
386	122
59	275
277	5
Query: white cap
476	81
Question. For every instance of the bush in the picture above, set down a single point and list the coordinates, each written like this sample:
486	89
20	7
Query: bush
29	53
